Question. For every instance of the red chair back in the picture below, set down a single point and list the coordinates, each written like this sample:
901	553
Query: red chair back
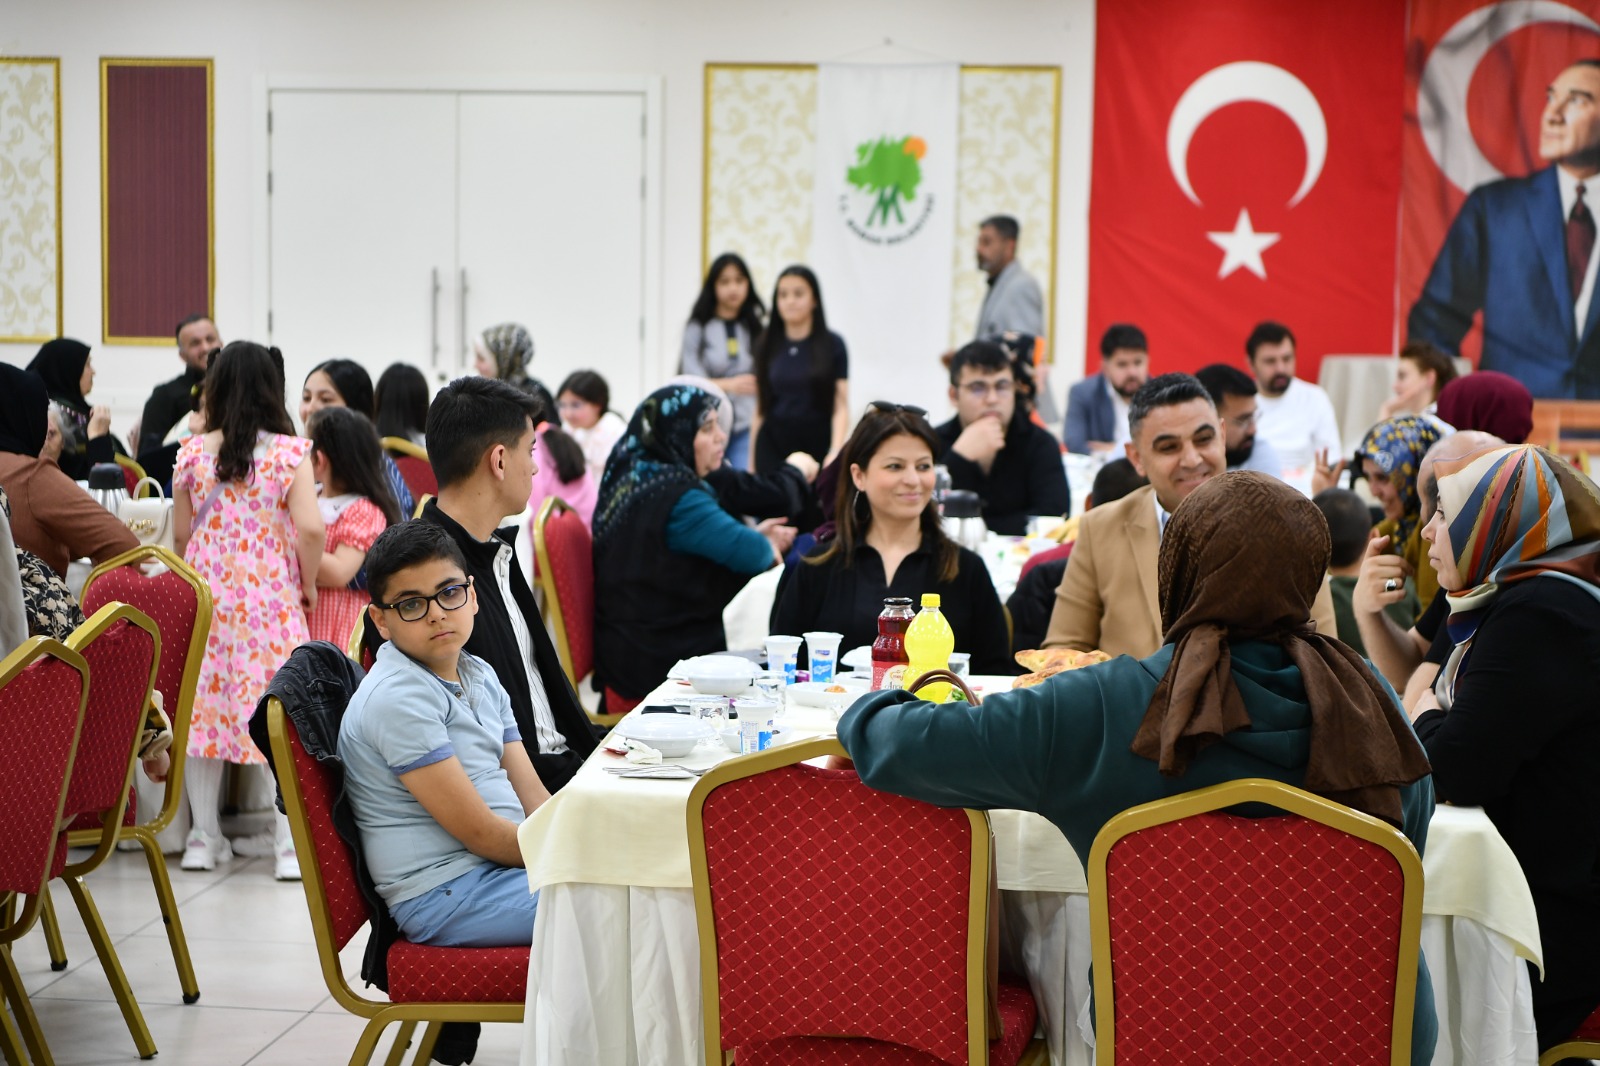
332	871
838	909
121	646
1254	939
43	690
565	554
417	474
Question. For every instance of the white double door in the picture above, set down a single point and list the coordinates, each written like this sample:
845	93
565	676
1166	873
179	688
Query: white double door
402	224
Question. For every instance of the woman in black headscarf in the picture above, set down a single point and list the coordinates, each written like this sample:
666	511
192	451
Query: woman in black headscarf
50	515
667	557
67	371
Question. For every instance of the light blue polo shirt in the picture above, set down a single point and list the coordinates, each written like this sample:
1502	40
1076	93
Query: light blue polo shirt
404	717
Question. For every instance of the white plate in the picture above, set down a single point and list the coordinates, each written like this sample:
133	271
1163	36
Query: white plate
816	694
674	735
857	658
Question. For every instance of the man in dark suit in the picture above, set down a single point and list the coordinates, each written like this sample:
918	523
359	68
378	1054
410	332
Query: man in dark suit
1097	406
480	443
1522	251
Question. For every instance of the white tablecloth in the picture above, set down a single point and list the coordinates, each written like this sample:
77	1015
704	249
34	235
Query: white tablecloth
614	974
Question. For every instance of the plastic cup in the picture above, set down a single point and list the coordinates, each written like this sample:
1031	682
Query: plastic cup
755	724
961	663
783	655
823	650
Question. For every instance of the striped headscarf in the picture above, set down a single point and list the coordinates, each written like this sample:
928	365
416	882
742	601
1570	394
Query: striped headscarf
1397	445
510	345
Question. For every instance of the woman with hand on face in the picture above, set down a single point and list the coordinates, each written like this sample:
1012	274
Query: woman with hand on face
1422	371
1391	457
654	606
802	378
1511	724
67	370
718	343
890	542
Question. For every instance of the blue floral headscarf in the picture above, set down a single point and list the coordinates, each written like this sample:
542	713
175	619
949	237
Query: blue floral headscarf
1397	445
654	456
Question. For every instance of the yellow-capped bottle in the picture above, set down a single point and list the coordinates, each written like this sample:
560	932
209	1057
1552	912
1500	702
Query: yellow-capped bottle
929	642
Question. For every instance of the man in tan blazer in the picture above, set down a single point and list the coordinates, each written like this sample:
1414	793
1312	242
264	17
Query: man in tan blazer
1108	598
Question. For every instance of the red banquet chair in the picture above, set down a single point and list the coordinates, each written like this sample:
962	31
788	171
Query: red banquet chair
431	984
1584	1043
851	930
415	470
1224	939
565	556
44	689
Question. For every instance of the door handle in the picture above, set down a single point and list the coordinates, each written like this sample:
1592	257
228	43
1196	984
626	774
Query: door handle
461	317
433	319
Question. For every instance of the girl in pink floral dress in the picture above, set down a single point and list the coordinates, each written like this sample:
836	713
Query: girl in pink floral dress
246	519
356	504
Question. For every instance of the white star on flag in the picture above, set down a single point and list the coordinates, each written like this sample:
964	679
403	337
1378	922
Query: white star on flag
1243	247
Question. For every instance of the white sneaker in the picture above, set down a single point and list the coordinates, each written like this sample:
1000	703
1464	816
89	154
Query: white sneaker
202	851
256	846
288	866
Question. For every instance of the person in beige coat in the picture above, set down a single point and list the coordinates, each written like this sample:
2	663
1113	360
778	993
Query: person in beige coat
1108	595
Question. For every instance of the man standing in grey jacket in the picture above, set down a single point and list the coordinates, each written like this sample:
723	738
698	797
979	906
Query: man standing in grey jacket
1014	303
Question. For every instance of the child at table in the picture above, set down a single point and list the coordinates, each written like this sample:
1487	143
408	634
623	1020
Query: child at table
436	773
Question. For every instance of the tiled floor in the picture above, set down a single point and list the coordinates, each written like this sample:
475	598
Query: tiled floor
262	997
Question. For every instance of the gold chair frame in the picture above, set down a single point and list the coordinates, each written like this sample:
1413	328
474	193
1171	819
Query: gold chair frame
422	501
379	1013
405	447
978	887
180	713
133	464
1294	801
14	924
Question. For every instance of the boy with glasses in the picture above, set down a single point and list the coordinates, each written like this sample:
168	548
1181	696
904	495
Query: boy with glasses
436	773
994	449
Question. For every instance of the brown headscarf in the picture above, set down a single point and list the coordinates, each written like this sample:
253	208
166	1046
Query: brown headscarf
1242	559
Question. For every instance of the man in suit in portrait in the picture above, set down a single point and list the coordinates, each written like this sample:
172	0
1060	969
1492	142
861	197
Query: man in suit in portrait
1097	406
1109	597
1522	251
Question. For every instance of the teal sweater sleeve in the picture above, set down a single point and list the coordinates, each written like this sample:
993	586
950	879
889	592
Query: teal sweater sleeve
699	526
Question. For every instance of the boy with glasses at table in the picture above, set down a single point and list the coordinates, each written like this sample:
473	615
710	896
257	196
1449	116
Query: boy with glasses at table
994	449
433	761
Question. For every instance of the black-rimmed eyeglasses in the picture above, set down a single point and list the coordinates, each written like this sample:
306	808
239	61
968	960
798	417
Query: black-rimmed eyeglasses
415	608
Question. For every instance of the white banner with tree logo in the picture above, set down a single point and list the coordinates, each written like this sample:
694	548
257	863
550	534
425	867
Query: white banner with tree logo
883	217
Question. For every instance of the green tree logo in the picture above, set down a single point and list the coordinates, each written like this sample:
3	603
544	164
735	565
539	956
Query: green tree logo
890	170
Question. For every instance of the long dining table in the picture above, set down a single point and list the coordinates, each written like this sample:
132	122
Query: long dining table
614	972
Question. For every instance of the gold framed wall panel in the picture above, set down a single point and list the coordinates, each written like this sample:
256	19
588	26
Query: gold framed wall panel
110	263
30	199
759	143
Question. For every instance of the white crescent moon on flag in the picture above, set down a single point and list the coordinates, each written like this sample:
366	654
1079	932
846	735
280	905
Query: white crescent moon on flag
1251	82
1442	92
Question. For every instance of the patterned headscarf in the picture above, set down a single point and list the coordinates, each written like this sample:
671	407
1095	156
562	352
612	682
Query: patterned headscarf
1513	513
1242	559
654	456
510	345
1397	445
1491	401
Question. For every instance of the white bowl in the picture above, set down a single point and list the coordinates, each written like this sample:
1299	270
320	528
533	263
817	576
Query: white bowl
720	675
673	735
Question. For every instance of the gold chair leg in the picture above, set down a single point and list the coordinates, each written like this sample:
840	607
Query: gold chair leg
52	932
112	965
402	1040
10	1042
169	912
368	1042
430	1038
15	995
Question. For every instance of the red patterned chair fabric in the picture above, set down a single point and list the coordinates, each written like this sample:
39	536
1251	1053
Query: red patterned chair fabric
119	671
840	909
418	973
571	554
1590	1029
169	601
39	711
1253	940
619	705
417	474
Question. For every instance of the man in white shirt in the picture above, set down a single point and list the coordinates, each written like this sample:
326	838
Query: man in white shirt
1295	417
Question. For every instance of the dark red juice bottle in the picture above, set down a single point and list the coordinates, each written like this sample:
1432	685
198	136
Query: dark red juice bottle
889	650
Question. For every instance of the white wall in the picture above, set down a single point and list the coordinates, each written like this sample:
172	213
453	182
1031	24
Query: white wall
253	38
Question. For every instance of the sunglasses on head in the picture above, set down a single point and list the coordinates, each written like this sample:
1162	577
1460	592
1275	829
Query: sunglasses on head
887	408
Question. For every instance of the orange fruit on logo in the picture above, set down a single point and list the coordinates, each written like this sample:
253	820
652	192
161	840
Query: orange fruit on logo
915	147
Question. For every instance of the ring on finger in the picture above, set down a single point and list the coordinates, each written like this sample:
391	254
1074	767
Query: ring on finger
1391	585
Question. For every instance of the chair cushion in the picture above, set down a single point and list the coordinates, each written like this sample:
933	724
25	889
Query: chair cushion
1589	1029
571	551
422	973
1018	1014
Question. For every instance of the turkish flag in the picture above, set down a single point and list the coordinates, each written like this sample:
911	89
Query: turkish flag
1476	75
1246	167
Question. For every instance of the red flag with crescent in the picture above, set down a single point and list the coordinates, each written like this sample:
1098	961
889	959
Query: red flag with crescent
1476	79
1246	167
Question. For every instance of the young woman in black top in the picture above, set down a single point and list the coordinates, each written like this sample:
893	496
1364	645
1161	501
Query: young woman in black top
890	543
802	377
